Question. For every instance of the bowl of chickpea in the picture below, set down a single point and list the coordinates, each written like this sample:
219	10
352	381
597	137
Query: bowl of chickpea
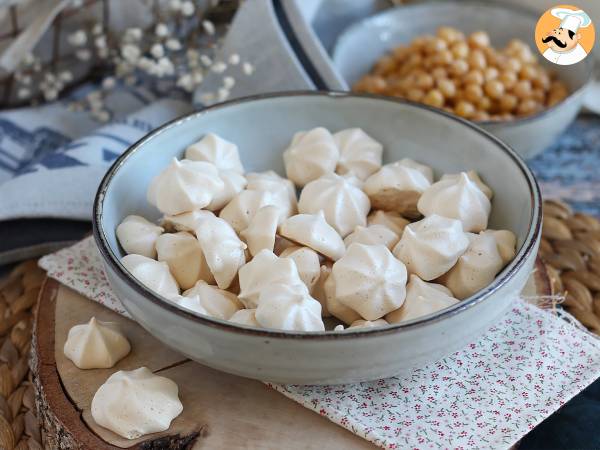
470	58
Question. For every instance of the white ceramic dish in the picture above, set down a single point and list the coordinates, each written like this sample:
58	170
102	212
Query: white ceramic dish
262	127
384	31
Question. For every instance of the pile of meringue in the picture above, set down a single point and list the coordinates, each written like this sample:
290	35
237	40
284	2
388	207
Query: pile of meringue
366	243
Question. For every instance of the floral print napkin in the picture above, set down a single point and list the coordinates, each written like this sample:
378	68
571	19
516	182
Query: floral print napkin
487	395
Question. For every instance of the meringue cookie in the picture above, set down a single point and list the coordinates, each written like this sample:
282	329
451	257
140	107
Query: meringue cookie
185	221
312	230
282	190
260	233
245	317
397	187
155	275
310	155
241	209
263	270
216	150
223	250
474	177
431	246
372	235
96	345
476	268
334	306
507	244
422	298
137	402
233	182
457	198
184	186
344	204
390	219
183	254
209	300
412	164
318	291
289	307
339	327
360	154
369	280
138	235
307	263
368	324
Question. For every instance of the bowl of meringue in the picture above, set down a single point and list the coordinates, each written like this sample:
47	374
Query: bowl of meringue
317	238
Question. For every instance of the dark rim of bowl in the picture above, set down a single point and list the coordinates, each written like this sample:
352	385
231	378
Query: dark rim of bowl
493	3
528	247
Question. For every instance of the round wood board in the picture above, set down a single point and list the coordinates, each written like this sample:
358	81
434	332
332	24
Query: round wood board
220	410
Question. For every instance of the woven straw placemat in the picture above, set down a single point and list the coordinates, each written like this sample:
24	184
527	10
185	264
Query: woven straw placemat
570	248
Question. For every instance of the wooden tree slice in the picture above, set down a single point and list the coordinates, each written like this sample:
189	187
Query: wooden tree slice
220	410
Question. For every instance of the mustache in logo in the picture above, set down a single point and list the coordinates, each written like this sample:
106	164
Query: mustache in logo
558	42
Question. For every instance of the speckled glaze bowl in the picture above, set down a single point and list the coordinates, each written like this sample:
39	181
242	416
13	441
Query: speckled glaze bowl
380	33
262	127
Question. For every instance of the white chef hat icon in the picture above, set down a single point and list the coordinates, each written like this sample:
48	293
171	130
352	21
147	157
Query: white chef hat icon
571	20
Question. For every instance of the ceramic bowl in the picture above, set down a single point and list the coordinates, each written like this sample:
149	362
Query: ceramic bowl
262	127
380	33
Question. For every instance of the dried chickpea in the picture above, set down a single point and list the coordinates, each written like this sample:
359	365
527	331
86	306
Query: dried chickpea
439	73
508	102
513	64
474	77
443	58
479	39
542	80
480	116
490	73
508	78
539	95
484	104
494	88
448	34
477	60
460	50
464	109
424	81
446	87
385	65
459	67
416	95
472	92
527	107
527	72
434	98
522	89
436	45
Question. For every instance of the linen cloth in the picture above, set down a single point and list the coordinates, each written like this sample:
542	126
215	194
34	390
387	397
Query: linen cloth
487	395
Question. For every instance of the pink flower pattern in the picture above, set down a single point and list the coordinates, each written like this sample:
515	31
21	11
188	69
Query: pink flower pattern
487	395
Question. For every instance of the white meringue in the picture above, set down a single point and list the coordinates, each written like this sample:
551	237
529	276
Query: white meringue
369	280
507	244
245	317
223	250
397	187
307	263
431	246
206	299
185	221
312	230
390	219
318	291
368	324
372	235
476	268
216	150
344	204
422	298
184	256
260	233
184	186
233	182
475	178
310	155
457	198
282	190
289	307
96	345
425	170
334	306
155	275
263	270
137	402
339	327
241	209
360	154
138	235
